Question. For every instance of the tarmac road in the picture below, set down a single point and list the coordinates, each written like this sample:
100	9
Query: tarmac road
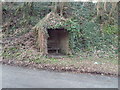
18	77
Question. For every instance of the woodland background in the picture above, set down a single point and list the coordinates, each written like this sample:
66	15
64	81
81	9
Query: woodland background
94	29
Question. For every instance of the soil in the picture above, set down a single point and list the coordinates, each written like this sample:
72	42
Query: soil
59	68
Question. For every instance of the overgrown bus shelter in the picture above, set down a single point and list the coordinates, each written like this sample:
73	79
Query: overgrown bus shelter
50	37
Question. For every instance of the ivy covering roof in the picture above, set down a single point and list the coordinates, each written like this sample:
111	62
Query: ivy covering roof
51	20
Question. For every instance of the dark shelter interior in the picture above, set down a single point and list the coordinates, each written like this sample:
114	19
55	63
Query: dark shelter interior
57	41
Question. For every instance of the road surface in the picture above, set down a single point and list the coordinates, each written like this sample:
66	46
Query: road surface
18	77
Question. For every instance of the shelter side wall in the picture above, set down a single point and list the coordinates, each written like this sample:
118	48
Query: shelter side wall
42	42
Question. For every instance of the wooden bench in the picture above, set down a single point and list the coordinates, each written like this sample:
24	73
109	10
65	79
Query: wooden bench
56	49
